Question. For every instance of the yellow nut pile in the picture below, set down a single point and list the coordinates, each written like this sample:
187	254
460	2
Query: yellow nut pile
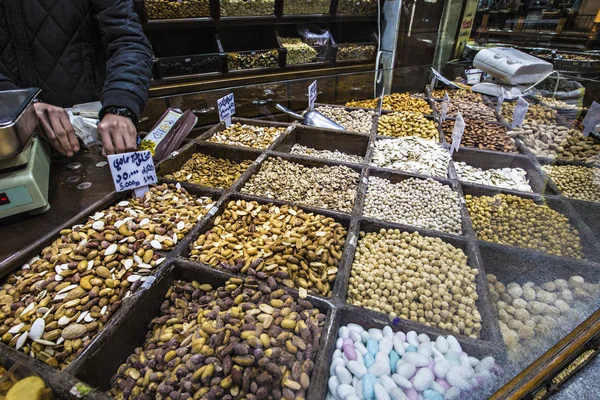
516	221
415	277
576	182
301	249
405	124
257	137
206	170
371	103
405	102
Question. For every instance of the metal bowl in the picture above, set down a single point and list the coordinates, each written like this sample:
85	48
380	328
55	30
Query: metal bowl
17	120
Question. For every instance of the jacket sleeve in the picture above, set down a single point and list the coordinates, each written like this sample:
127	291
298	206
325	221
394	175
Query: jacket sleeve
129	54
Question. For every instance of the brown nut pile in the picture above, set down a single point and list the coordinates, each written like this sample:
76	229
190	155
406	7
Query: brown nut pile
536	113
474	110
371	103
55	304
206	170
556	103
531	313
245	340
301	249
415	277
257	137
458	95
520	222
405	124
576	182
405	102
332	187
482	135
166	9
558	142
360	121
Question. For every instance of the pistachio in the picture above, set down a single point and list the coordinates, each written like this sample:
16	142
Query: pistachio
258	137
210	171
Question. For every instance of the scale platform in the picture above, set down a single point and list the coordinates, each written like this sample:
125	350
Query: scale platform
24	181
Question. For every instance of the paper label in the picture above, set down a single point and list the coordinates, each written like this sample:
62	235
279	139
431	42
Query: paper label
226	107
132	170
520	112
445	106
457	133
164	127
80	390
312	95
592	118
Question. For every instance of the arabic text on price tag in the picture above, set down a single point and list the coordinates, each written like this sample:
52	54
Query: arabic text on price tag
226	107
133	170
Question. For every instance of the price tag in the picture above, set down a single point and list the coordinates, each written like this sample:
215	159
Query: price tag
500	100
520	112
226	107
445	106
312	95
132	171
433	82
457	133
592	118
441	78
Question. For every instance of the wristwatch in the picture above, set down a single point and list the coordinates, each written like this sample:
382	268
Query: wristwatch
121	111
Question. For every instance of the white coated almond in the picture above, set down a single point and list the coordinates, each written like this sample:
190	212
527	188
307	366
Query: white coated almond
112	249
156	244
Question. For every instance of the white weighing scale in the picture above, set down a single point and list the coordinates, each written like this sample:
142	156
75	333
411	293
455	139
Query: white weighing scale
510	68
24	162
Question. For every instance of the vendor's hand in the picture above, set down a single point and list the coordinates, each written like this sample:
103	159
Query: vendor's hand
57	128
118	134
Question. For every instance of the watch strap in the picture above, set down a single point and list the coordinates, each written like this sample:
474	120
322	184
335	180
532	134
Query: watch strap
121	111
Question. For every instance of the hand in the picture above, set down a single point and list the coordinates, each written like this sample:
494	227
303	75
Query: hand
57	128
118	134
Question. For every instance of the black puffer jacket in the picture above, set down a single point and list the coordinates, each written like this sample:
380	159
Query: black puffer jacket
76	51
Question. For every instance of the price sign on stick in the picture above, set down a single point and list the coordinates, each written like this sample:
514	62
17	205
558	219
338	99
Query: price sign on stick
520	112
226	107
592	119
445	106
312	95
457	133
133	170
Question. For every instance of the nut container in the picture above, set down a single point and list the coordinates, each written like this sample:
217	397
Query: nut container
354	42
300	53
245	51
170	9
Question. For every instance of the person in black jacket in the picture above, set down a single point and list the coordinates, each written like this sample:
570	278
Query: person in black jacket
78	51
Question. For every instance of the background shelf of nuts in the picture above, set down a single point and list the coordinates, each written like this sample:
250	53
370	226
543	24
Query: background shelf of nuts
294	232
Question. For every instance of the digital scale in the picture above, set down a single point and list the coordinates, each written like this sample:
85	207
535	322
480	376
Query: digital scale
24	161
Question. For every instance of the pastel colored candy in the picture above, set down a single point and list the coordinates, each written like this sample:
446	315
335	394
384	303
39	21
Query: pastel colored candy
388	332
343	332
422	379
336	363
459	376
372	346
368	386
360	348
386	345
369	360
440	369
380	368
380	392
398	345
397	394
357	369
406	370
412	394
387	382
337	354
344	391
452	394
425	349
338	343
442	344
402	381
355	336
394	358
333	383
400	335
364	336
423	338
453	343
443	383
375	334
417	359
411	349
486	364
355	327
432	395
344	376
412	338
349	352
382	357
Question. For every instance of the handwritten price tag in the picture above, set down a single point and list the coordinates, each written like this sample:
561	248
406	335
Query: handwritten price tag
226	107
457	133
520	112
132	171
312	95
592	119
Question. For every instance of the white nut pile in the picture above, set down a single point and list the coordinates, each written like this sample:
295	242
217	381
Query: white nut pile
530	312
424	203
508	178
383	364
415	277
327	154
412	154
360	121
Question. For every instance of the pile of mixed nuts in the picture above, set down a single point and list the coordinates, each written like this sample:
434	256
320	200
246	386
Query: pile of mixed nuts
203	169
412	154
332	187
257	137
327	154
360	121
247	339
482	135
508	178
54	305
300	249
405	124
576	182
536	113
